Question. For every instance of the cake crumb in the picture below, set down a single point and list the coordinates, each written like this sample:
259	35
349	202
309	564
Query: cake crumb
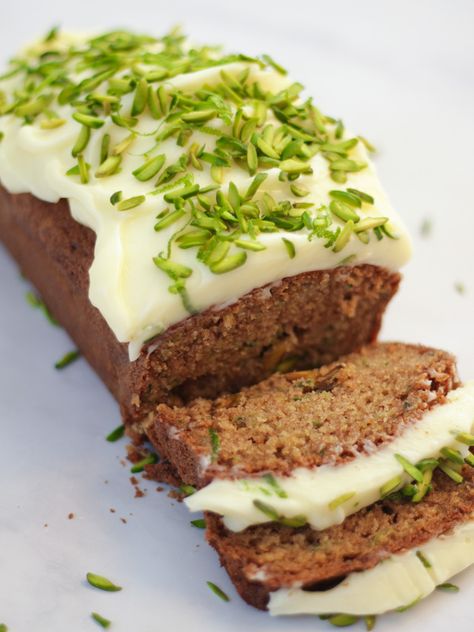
112	510
71	516
124	520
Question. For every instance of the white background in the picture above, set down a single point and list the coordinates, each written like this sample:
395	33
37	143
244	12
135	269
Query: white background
400	72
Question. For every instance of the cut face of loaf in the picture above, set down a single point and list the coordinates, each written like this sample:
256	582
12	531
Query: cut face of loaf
305	419
266	558
305	320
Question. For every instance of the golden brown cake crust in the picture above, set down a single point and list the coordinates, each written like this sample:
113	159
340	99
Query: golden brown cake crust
305	418
309	319
320	559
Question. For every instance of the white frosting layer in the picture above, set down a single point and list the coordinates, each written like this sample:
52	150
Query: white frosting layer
394	583
310	492
125	285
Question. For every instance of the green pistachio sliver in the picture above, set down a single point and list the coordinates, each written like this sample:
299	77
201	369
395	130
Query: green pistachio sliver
83	169
102	583
248	129
409	468
294	522
199	523
266	509
150	459
218	252
390	486
368	223
266	148
298	191
67	359
124	144
229	263
102	621
81	141
370	621
172	269
255	185
104	148
271	62
169	219
215	443
426	563
340	500
187	490
469	460
368	145
449	471
252	159
218	591
150	168
255	246
427	464
290	247
294	166
198	116
129	203
273	483
345	164
153	103
365	197
193	238
52	123
217	174
140	98
343	620
466	438
344	236
116	434
343	211
346	197
116	197
448	587
3	627
453	455
183	193
89	121
109	167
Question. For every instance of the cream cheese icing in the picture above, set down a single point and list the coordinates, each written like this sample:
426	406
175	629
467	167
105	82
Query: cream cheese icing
326	495
125	285
397	582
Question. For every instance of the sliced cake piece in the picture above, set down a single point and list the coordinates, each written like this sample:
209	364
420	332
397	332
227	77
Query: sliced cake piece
318	445
385	557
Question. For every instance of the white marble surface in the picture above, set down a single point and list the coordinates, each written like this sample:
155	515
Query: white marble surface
401	72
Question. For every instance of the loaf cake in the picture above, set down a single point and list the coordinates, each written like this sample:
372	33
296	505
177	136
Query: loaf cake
209	238
188	216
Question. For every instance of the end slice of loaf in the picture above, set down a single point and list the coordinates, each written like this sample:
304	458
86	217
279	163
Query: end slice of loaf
304	418
268	557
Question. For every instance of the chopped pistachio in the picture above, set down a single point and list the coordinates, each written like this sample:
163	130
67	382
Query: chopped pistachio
102	621
102	583
218	591
340	500
409	468
116	434
129	203
150	459
67	359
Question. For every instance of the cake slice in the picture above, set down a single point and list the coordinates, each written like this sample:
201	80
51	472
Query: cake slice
385	557
316	446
